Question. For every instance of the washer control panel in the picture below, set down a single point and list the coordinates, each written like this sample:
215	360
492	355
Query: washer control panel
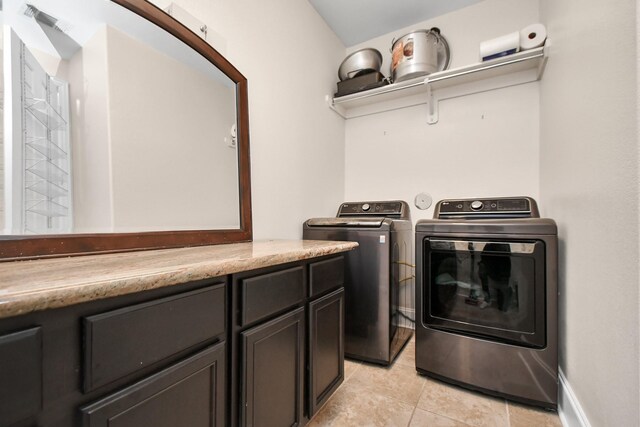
394	209
494	207
476	205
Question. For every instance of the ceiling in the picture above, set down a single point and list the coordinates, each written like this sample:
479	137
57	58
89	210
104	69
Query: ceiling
356	21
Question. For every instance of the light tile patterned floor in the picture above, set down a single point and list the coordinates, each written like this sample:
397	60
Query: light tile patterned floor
398	396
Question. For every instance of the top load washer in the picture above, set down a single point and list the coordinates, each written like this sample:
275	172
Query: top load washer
487	298
377	275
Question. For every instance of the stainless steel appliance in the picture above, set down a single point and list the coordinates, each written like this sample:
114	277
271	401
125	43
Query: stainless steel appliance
360	62
419	53
360	83
377	275
486	298
360	71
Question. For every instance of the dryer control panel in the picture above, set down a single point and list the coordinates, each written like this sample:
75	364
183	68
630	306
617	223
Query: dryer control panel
497	207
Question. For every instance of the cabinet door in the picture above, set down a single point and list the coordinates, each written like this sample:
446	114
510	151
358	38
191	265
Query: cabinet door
189	393
326	348
20	376
273	371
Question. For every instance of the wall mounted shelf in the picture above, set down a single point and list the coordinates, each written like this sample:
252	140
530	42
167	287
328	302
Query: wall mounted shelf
47	208
42	172
47	189
519	68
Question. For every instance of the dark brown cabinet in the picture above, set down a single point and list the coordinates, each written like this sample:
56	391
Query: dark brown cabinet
258	348
158	355
273	372
120	342
287	360
268	346
326	348
20	376
164	331
188	393
269	293
325	275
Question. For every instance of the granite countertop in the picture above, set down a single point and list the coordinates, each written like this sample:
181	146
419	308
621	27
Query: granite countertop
28	286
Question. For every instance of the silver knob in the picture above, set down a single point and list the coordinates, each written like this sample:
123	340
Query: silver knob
366	207
476	205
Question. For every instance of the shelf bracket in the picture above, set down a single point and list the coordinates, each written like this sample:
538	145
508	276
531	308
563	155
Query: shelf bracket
432	105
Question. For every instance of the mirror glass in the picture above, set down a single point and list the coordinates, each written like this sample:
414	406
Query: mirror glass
111	124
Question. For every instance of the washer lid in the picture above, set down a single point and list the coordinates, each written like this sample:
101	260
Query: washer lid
346	222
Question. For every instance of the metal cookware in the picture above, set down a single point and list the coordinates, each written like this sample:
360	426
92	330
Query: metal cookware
360	83
419	53
360	62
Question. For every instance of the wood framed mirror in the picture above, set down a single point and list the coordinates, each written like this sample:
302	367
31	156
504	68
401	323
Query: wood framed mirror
161	161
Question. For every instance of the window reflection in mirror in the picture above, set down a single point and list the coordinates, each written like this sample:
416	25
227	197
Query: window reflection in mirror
110	124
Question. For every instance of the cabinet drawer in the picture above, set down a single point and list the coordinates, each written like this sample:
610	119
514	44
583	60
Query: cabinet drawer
270	293
20	375
119	342
326	275
189	393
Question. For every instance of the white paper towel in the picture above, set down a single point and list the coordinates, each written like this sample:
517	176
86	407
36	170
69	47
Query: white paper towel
500	46
532	36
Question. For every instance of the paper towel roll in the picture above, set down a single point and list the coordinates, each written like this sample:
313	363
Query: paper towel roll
500	46
532	36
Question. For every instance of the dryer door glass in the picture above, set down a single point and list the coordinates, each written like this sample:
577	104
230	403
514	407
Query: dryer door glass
492	289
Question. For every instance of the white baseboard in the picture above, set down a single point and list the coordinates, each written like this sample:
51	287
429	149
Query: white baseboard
569	408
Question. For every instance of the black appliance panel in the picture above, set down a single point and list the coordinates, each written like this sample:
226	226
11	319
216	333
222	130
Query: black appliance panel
497	205
490	289
494	207
383	209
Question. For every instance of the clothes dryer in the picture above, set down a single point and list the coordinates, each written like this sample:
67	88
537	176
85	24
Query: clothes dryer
487	298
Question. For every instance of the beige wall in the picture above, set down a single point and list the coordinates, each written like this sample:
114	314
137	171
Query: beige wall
570	140
90	139
589	185
484	144
1	139
171	168
148	141
290	57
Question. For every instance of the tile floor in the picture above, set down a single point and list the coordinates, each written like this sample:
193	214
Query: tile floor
399	397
